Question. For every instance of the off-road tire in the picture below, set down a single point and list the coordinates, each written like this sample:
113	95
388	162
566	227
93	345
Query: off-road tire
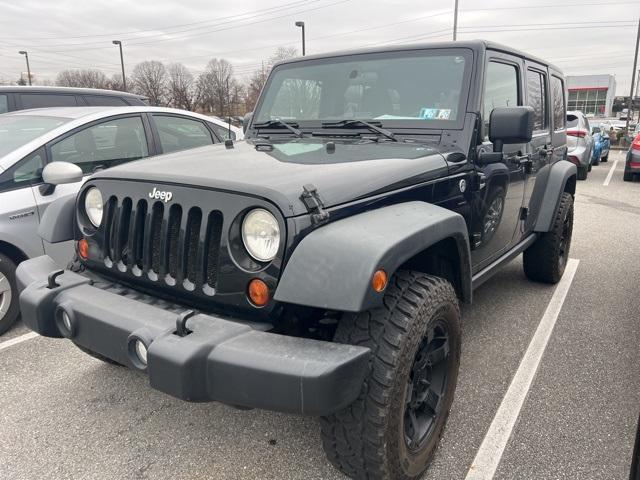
546	259
97	356
8	271
627	177
366	440
582	173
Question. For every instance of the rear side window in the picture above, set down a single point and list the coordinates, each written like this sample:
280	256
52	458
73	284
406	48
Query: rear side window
103	145
26	172
44	100
180	133
501	89
4	104
557	88
537	96
104	101
572	121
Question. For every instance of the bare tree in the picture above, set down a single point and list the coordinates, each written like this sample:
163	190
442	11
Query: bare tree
88	78
150	79
215	85
283	53
254	87
181	87
115	82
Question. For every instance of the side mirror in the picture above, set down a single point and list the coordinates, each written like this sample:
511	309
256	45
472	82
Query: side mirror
58	173
246	121
509	125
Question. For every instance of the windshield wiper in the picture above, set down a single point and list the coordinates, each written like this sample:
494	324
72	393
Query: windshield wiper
354	123
277	121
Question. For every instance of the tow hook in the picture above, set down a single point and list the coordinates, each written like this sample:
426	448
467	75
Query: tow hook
51	279
181	323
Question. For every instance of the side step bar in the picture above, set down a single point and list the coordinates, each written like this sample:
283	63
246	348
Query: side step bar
487	272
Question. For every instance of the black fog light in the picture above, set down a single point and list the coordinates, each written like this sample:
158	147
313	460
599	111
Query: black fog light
65	322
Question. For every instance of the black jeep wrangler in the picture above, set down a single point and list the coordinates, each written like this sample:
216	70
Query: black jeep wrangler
317	267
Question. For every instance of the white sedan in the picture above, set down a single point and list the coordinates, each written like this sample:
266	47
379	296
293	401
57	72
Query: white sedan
41	150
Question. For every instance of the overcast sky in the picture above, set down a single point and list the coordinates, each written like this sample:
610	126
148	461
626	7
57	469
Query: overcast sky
582	37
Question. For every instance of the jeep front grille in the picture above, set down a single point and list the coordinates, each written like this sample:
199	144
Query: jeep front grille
180	246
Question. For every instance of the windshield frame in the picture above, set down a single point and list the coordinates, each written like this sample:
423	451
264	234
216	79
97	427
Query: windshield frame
413	125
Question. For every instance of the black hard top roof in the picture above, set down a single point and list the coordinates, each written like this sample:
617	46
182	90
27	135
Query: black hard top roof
475	45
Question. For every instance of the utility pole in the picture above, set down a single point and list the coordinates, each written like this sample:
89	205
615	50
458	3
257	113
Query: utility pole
455	21
633	77
26	55
301	25
124	79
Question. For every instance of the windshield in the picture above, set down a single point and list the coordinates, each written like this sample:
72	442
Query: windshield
424	87
16	130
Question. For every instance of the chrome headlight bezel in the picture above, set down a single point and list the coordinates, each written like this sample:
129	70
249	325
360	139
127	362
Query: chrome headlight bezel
260	233
94	206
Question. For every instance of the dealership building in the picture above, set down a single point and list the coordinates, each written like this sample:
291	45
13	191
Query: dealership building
592	94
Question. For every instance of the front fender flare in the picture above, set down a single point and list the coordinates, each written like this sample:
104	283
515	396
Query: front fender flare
559	175
332	267
57	224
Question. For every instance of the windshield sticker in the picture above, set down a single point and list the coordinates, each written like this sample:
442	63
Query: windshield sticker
435	113
298	148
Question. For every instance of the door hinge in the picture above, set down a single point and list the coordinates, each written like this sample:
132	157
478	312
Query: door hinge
313	203
524	213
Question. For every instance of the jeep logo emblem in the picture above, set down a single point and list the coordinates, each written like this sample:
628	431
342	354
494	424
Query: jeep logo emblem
160	195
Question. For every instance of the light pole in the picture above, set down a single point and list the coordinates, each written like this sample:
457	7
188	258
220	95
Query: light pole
633	77
124	79
26	55
301	25
455	21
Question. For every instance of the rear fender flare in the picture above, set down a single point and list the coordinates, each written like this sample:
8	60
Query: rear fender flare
332	267
546	194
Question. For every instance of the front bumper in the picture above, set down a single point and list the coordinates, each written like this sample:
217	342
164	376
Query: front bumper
225	360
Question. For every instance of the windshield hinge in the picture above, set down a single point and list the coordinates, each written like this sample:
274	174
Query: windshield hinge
313	202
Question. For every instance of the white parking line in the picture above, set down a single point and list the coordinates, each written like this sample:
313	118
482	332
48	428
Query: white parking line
17	340
613	169
488	457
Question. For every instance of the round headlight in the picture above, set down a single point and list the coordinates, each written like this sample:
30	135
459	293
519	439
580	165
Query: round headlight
261	234
93	206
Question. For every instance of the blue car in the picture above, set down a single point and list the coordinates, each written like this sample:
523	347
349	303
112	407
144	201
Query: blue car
601	146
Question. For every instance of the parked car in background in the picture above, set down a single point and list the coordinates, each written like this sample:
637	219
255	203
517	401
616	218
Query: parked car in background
22	98
596	154
36	146
632	163
602	137
579	142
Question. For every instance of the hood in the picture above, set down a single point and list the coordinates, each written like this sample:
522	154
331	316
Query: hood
278	171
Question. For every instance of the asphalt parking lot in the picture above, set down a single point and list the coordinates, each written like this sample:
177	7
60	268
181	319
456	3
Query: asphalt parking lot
66	415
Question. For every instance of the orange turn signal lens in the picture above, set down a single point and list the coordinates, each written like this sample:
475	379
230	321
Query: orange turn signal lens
379	280
258	292
83	249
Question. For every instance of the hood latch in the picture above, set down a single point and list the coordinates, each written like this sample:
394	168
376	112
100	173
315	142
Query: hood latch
314	204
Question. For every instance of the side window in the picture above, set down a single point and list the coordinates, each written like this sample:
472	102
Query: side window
500	90
38	100
223	132
180	133
104	101
537	97
557	87
103	145
26	172
4	104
